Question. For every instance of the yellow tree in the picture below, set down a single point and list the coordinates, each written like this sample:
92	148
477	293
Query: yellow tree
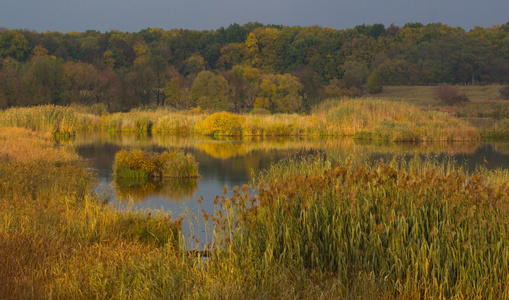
252	49
38	52
109	59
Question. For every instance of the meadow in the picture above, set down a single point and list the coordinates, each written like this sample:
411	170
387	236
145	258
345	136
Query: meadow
424	94
316	229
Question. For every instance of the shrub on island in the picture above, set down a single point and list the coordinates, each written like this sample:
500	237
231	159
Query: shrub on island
141	165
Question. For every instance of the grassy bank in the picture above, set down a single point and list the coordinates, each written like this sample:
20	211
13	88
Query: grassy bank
57	239
369	118
374	119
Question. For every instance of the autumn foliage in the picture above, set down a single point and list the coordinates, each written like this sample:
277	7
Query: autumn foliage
238	68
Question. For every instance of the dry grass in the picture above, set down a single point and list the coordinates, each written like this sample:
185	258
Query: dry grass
368	118
28	146
377	119
57	240
50	118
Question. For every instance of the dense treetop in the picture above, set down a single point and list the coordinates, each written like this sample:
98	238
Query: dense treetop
241	67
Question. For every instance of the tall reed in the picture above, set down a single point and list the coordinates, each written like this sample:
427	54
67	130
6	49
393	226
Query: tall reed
369	118
392	121
50	118
420	230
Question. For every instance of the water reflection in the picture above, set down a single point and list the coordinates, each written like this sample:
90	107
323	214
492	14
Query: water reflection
233	162
174	189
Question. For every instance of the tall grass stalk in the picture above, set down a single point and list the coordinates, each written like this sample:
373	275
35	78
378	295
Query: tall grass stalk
418	228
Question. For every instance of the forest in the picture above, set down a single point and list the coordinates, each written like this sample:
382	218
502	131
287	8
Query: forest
242	67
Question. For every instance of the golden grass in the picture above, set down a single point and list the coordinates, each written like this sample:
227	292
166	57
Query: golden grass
27	146
50	118
367	118
422	229
56	238
378	119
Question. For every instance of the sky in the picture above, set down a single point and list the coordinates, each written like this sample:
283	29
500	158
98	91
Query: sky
134	15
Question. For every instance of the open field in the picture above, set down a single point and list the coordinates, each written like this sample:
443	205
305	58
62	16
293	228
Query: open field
317	229
424	94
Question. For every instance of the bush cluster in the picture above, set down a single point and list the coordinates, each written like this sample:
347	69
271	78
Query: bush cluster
449	95
504	92
221	123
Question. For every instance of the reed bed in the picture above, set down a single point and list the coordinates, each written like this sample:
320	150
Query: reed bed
416	229
499	131
50	118
376	119
368	118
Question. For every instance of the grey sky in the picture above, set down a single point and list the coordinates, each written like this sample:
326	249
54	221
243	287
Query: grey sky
134	15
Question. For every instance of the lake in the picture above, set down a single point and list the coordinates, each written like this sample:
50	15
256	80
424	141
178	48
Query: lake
233	162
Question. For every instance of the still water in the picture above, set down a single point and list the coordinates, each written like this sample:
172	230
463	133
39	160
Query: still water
234	162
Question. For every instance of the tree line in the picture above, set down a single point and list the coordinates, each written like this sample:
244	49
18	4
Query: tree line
242	67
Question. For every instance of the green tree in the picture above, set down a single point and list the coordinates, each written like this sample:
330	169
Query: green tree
279	93
210	91
194	64
230	55
159	62
355	74
45	83
374	83
13	44
178	93
142	82
246	83
312	86
83	83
